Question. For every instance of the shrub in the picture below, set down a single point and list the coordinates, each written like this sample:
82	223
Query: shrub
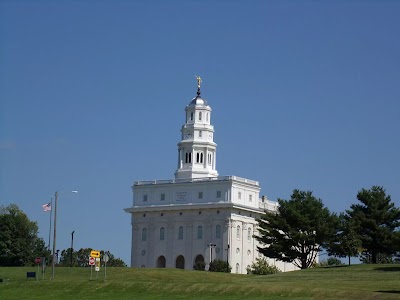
219	265
199	266
262	267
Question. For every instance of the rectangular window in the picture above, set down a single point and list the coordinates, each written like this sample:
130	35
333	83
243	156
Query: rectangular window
218	194
200	133
200	195
239	195
250	198
144	198
162	197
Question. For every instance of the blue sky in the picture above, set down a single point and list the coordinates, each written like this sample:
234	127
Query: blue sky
305	94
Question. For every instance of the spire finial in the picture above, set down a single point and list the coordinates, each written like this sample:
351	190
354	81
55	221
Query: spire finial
198	84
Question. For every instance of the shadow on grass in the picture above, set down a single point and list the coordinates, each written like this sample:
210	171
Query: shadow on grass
335	266
390	292
388	269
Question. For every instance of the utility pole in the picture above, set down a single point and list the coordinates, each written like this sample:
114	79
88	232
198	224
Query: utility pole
72	244
55	235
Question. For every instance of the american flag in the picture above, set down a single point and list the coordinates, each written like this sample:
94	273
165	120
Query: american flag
47	206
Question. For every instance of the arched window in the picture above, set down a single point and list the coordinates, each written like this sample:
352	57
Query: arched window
238	232
200	232
190	157
144	234
186	157
180	233
162	233
198	157
201	157
237	268
218	232
249	234
199	116
207	117
191	116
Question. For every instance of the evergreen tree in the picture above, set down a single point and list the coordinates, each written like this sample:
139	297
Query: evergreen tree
346	242
297	231
376	219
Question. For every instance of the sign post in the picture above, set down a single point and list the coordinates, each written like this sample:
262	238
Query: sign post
97	267
37	261
105	259
91	264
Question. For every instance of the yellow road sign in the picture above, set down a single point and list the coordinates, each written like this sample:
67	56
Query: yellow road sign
95	253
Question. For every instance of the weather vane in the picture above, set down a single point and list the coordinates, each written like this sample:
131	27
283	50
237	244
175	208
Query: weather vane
198	81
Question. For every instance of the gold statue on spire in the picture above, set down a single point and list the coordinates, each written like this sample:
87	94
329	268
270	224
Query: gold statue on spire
198	81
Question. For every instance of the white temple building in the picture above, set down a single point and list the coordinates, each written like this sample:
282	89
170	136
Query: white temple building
198	215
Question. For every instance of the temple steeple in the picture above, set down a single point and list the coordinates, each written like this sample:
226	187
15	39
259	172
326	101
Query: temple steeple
197	150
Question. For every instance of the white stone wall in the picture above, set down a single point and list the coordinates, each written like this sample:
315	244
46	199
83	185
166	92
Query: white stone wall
182	207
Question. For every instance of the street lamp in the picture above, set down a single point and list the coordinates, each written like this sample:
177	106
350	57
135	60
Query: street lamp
227	259
211	247
55	234
72	244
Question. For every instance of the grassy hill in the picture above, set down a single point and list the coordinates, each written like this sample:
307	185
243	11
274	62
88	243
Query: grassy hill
355	282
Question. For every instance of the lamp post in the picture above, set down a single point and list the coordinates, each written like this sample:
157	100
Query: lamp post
72	244
211	247
227	259
55	235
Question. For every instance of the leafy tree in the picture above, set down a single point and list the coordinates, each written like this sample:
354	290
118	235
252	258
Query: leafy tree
19	242
219	265
346	242
80	258
297	231
262	267
376	219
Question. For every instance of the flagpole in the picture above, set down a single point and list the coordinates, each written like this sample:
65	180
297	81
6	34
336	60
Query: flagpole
51	213
54	238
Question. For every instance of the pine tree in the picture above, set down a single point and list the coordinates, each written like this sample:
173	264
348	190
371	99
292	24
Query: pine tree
297	231
376	219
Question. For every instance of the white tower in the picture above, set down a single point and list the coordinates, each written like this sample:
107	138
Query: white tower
197	150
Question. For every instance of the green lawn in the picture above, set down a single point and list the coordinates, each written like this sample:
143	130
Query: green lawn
355	282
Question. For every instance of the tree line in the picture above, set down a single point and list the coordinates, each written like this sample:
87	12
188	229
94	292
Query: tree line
302	227
20	243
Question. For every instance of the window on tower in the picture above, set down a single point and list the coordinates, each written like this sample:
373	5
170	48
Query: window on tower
180	233
218	194
162	197
200	134
200	232
191	116
144	198
239	195
197	157
199	116
207	117
144	234
238	232
200	195
162	232
201	157
249	234
218	232
190	157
